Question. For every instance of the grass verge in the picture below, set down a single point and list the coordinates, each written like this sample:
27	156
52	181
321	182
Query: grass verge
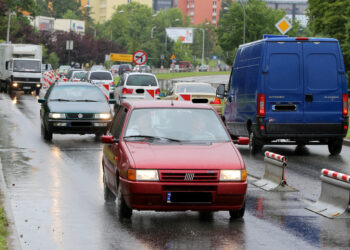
3	230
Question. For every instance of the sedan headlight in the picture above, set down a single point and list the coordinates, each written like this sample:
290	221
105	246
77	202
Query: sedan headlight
57	115
103	116
143	175
233	175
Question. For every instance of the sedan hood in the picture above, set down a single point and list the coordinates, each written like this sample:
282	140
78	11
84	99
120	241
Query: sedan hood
79	107
186	156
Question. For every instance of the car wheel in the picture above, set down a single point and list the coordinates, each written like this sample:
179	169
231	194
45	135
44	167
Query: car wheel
37	91
255	145
123	210
46	134
335	146
9	90
107	193
236	214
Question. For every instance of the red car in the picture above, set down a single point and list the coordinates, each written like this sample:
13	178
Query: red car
172	156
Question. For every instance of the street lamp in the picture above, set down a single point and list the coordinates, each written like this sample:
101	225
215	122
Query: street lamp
8	26
244	23
203	30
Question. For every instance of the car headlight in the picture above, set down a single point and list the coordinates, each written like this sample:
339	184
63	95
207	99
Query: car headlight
233	175
103	116
15	84
57	115
143	175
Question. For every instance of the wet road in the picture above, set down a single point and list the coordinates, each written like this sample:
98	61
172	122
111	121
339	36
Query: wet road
57	198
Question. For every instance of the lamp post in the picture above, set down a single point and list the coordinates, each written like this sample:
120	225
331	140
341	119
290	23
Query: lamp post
8	26
244	23
203	30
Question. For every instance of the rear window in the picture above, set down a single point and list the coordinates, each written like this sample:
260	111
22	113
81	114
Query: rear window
141	80
188	88
100	76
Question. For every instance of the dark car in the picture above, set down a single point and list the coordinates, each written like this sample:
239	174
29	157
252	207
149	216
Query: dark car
79	108
124	68
207	172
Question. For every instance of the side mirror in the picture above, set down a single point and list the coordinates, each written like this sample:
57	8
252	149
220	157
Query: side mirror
161	94
41	100
46	67
242	141
221	91
112	101
7	65
108	139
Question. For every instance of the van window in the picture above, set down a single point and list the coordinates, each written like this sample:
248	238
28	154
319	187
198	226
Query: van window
322	72
284	72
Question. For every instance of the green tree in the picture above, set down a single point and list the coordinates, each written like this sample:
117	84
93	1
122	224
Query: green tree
70	15
182	51
58	8
53	59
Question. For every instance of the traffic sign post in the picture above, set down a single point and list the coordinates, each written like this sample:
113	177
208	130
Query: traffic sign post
139	57
283	25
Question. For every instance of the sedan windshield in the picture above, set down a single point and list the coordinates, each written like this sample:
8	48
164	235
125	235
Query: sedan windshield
100	76
175	125
77	93
26	66
196	88
141	80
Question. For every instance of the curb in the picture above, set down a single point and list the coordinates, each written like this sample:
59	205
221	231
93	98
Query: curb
346	142
12	238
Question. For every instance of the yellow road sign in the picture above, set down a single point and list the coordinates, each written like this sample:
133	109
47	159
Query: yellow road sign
120	57
283	25
172	57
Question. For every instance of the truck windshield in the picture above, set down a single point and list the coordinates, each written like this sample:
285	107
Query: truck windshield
26	66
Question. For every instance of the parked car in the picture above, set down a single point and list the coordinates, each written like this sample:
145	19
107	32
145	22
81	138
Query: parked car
206	173
185	66
79	108
223	67
101	77
175	68
123	68
288	91
204	68
137	86
195	92
78	76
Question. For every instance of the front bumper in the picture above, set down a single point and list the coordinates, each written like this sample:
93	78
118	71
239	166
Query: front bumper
65	126
155	195
26	86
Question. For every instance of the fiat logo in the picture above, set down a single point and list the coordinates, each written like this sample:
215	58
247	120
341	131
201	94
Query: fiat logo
80	116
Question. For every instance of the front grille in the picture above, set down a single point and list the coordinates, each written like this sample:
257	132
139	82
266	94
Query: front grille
199	100
76	116
191	188
81	124
20	79
189	175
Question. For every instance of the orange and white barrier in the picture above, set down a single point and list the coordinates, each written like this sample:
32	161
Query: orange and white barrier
105	90
184	97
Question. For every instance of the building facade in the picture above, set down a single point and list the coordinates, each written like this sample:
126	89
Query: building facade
102	10
201	11
164	4
295	9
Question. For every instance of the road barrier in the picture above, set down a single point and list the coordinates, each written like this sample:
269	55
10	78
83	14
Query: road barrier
274	178
105	90
334	200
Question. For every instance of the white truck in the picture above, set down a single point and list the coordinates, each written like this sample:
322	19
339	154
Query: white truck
20	67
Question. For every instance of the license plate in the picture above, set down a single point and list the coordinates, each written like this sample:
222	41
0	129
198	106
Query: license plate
26	87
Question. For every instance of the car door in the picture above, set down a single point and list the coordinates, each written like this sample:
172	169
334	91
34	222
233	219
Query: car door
323	77
113	155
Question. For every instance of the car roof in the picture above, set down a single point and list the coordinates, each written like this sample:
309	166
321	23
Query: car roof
74	84
164	104
100	70
192	83
140	73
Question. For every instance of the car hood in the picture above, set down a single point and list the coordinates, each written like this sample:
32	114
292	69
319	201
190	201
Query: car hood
79	107
185	156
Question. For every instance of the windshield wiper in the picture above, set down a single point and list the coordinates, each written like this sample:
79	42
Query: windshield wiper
60	100
85	100
152	137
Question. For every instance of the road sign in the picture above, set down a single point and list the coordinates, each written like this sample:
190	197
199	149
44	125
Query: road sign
120	57
139	57
173	60
283	25
69	45
172	57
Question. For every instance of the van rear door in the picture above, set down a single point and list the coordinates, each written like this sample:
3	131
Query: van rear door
283	84
323	76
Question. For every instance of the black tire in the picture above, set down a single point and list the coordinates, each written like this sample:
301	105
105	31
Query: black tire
9	89
37	91
123	210
107	193
46	134
236	214
255	145
335	146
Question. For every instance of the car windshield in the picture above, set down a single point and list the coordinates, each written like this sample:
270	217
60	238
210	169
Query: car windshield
77	93
100	76
195	88
141	80
175	124
79	74
26	66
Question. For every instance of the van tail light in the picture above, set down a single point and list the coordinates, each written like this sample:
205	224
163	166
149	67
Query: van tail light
157	91
216	101
302	38
127	91
261	102
345	105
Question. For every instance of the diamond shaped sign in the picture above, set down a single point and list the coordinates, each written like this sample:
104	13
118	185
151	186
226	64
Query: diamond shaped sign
283	25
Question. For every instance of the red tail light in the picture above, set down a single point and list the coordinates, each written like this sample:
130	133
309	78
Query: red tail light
302	38
345	105
157	91
111	83
216	101
261	105
127	91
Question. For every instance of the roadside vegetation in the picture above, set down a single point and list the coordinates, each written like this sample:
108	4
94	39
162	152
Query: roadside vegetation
3	230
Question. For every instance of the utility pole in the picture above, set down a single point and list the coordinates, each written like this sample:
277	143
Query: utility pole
203	30
8	26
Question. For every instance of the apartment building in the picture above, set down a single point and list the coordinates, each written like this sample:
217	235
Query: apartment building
164	4
201	11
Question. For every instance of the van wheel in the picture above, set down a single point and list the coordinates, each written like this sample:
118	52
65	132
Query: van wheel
107	193
236	214
255	145
335	146
123	210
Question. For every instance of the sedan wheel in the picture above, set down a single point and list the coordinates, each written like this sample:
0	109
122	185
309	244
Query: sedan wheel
123	210
108	195
236	214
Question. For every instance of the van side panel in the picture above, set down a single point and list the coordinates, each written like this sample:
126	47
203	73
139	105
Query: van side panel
240	109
